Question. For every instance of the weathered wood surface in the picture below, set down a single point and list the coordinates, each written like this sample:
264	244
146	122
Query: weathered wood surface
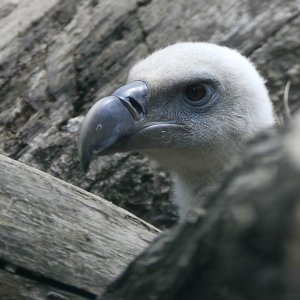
56	56
15	287
60	236
244	244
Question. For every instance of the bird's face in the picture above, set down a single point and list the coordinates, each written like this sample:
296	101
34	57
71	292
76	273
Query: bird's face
185	105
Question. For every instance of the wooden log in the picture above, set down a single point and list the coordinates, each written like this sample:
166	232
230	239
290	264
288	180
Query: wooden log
60	236
15	287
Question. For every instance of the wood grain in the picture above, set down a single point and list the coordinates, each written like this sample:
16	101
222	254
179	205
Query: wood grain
54	229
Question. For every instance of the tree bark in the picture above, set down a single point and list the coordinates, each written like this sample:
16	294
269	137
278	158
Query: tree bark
57	57
56	238
244	244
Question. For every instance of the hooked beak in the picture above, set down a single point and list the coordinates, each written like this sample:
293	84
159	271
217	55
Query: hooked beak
111	118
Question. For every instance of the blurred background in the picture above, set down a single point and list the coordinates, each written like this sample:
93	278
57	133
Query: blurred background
58	57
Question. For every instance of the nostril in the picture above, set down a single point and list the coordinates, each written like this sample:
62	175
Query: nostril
137	106
134	107
134	96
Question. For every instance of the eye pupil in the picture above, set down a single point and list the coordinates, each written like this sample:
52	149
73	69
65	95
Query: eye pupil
195	92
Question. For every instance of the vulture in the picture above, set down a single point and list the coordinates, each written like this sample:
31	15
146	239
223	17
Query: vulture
189	106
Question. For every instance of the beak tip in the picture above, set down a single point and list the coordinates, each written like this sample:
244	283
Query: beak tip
85	167
85	158
85	163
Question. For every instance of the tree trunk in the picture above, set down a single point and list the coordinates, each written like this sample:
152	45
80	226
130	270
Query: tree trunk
245	244
57	57
58	239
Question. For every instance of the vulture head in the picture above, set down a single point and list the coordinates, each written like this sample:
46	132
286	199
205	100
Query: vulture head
189	106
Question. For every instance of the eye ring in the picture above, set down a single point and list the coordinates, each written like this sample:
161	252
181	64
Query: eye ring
197	94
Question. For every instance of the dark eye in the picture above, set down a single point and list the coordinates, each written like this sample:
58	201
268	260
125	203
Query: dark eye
195	93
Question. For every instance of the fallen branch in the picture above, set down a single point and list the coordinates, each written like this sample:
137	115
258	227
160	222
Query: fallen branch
60	237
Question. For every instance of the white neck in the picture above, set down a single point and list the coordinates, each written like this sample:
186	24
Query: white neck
190	191
191	176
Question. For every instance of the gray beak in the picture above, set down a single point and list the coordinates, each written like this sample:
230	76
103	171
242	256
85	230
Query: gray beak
111	118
